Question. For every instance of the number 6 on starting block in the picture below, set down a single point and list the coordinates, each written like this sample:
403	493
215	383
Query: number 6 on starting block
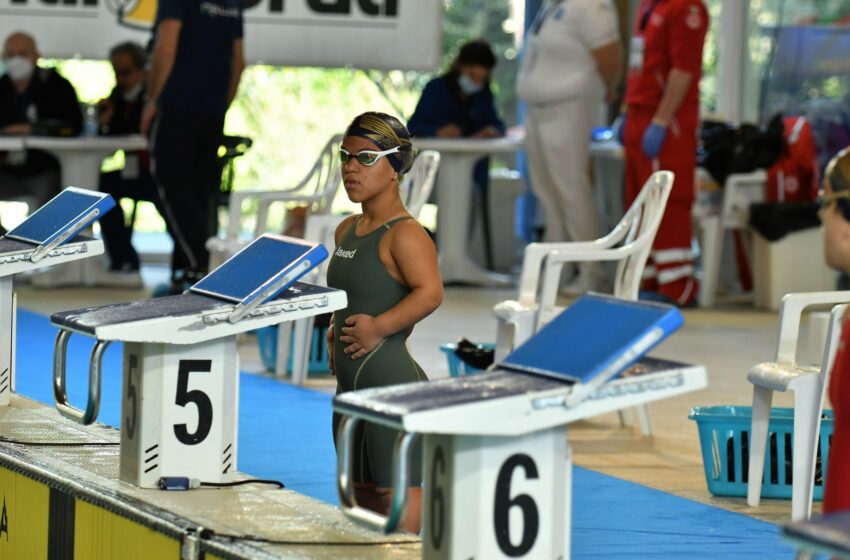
496	497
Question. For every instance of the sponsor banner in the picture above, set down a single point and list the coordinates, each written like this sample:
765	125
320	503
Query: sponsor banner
381	34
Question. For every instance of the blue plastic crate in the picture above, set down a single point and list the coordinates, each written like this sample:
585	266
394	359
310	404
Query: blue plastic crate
724	433
458	367
317	361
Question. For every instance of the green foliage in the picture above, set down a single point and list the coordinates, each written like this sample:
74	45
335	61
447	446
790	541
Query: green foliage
291	112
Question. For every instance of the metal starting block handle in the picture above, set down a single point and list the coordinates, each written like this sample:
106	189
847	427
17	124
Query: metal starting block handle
345	479
60	350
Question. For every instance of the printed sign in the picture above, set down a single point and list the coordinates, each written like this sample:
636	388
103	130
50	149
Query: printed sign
381	34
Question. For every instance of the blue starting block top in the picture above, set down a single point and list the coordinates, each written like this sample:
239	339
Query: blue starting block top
257	284
594	339
58	221
261	271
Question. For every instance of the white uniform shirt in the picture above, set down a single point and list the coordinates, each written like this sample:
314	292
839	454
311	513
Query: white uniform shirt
558	63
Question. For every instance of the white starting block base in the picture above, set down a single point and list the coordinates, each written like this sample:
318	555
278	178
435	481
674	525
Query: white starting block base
14	259
180	417
180	393
521	483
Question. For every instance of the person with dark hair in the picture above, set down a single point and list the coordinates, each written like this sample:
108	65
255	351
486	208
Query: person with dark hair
121	113
387	265
460	104
835	216
571	64
33	100
196	66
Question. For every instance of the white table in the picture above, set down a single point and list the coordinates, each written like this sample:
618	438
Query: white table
454	198
80	159
11	143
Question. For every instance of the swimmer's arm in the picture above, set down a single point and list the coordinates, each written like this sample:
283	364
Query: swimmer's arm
415	256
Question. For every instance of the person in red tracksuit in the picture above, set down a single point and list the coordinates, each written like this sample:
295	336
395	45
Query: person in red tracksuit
659	131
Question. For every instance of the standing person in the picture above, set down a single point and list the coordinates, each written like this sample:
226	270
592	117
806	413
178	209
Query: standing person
121	113
660	132
387	264
571	65
835	215
33	100
196	65
460	104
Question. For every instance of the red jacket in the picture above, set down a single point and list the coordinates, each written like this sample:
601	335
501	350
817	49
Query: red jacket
668	34
837	492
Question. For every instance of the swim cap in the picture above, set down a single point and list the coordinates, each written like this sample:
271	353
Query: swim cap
386	132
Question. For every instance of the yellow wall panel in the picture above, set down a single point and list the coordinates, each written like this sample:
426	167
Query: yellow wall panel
24	514
100	534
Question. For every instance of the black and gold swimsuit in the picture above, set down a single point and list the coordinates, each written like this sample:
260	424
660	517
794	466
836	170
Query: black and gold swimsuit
356	268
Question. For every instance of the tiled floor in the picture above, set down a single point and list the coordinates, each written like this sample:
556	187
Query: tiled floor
727	341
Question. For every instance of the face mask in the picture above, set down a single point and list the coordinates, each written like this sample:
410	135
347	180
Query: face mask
19	68
467	86
133	92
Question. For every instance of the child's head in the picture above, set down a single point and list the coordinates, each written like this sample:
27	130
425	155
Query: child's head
375	152
835	211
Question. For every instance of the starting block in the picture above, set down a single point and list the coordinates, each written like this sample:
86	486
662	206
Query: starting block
180	391
497	464
45	238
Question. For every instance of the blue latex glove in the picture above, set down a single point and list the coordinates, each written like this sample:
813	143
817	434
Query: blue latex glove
619	128
653	139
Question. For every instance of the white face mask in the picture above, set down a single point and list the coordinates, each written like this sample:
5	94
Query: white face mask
19	68
467	86
133	92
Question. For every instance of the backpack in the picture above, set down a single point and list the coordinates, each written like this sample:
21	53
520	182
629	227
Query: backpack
794	176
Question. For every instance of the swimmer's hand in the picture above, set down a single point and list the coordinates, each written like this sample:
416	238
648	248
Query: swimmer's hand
362	335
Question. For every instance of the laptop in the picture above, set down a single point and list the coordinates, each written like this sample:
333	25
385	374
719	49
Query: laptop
258	273
593	340
62	218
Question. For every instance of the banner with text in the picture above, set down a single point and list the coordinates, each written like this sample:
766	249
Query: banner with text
381	34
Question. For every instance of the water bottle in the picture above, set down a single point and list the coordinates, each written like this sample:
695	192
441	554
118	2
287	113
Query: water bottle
90	124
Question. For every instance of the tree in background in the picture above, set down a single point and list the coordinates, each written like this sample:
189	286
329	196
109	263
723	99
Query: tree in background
291	112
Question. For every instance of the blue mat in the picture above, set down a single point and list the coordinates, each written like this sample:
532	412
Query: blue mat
284	434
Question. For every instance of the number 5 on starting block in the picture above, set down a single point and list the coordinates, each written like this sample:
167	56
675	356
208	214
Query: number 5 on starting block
496	497
179	411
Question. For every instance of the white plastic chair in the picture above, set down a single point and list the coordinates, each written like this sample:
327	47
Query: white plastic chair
321	228
316	190
628	244
808	384
416	187
418	183
739	192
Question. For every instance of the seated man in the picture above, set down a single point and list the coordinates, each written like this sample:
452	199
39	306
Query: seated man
33	100
121	113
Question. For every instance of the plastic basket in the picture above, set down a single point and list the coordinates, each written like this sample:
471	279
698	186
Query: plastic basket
458	367
724	433
317	362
